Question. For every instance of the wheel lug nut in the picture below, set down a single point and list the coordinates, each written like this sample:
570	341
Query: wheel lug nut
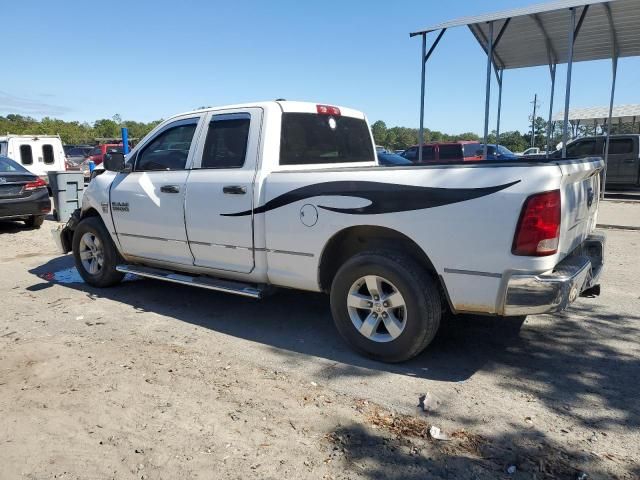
369	304
386	304
376	297
384	315
375	315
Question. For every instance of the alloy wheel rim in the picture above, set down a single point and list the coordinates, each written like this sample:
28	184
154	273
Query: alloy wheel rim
91	253
377	309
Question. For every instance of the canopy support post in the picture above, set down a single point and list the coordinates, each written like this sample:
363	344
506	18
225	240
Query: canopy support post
567	96
552	70
552	58
422	81
499	75
488	89
573	34
425	56
614	72
614	65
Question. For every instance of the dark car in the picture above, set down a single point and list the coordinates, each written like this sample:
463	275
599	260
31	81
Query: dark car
623	167
393	160
23	195
442	152
497	152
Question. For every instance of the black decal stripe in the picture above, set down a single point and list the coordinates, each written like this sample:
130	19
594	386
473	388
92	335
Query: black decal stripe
384	197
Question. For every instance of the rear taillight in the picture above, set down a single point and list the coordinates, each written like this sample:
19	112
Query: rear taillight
538	232
328	110
39	183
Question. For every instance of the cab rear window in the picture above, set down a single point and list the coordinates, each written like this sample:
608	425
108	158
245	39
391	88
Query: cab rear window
309	138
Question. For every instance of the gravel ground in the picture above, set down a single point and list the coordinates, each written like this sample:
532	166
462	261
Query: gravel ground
153	380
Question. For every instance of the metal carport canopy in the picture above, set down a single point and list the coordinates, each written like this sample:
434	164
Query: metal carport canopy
622	113
524	42
562	31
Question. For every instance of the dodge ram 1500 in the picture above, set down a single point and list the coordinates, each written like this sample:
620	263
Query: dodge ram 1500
243	198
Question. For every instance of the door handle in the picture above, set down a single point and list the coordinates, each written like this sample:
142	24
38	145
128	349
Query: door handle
630	161
234	190
170	189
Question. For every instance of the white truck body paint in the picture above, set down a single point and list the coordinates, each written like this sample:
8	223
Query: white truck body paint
468	242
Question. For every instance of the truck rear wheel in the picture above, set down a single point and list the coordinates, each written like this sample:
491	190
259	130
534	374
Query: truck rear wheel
95	254
385	305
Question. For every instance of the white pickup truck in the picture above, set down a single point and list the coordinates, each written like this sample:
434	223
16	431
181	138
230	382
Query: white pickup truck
244	198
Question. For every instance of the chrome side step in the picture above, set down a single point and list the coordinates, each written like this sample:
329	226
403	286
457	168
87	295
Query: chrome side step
209	283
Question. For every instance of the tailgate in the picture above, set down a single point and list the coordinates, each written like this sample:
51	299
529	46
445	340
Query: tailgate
580	197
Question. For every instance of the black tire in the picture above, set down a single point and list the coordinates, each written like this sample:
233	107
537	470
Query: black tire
417	287
35	221
107	275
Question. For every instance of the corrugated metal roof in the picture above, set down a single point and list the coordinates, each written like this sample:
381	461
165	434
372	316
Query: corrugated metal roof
624	113
523	42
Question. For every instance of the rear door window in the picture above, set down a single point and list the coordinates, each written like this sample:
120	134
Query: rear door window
582	148
451	152
47	154
309	138
428	154
618	146
226	143
26	155
473	150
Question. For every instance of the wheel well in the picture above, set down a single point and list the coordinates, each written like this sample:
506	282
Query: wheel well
67	233
91	212
350	241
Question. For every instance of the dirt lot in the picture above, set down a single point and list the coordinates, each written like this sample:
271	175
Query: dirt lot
153	380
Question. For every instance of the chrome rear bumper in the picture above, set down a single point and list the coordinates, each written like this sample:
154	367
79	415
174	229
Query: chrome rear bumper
554	291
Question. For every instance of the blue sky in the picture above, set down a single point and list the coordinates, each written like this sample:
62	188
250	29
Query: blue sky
145	60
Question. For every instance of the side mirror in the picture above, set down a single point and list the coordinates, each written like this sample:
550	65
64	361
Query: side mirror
114	162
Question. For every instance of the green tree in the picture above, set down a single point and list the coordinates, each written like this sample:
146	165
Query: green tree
379	130
106	128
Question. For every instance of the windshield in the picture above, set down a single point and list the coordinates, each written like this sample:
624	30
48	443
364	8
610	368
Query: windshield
504	150
8	165
309	138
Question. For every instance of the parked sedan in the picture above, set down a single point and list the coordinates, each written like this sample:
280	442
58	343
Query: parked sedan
23	195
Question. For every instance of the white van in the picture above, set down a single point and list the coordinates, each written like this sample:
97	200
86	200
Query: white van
37	153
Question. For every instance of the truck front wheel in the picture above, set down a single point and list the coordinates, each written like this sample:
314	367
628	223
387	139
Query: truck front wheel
95	254
385	305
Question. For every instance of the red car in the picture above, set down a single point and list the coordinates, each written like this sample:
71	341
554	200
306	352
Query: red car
97	154
464	150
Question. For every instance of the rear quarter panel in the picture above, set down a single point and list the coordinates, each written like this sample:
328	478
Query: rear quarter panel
469	242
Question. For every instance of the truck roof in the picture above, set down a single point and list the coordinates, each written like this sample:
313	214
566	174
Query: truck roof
282	105
6	137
